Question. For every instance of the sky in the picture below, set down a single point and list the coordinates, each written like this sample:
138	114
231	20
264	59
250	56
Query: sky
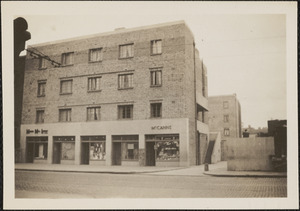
245	53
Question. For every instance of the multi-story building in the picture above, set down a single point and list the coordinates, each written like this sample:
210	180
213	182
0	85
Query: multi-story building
128	97
225	117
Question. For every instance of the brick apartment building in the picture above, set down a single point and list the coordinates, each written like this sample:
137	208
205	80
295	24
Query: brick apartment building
128	97
225	117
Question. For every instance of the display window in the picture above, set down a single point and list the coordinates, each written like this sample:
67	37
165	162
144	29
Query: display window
37	148
130	151
97	151
40	151
67	151
95	147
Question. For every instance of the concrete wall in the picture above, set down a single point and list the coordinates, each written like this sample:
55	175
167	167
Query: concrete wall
250	154
216	154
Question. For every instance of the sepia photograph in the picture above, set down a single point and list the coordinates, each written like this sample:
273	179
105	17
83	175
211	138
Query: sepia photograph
150	105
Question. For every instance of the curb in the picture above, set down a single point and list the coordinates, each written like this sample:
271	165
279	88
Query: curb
243	175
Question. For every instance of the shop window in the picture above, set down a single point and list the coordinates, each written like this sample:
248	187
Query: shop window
167	150
41	88
226	132
125	81
40	116
156	110
40	150
42	63
65	115
67	151
130	151
225	104
67	58
97	151
156	47
93	113
156	77
66	87
125	112
126	51
94	84
95	55
226	118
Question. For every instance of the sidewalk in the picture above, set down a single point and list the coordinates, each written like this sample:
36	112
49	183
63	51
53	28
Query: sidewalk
218	169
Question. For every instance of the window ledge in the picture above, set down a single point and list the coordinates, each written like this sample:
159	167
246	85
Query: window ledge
126	119
125	57
42	68
93	120
41	95
155	117
65	93
67	65
91	91
155	85
95	61
155	54
125	88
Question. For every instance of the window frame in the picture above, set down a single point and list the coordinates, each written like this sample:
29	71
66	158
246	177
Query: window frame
88	84
70	115
66	93
38	111
226	118
63	59
41	82
87	113
95	49
125	74
154	71
126	114
42	63
152	107
151	47
126	45
226	132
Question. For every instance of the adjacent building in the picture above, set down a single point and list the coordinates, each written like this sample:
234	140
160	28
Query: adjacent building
135	97
225	117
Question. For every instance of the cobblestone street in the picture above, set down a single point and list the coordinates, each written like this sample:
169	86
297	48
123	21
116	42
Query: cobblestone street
93	185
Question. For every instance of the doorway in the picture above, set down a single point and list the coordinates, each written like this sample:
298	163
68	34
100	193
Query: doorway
56	153
150	154
116	159
30	152
85	153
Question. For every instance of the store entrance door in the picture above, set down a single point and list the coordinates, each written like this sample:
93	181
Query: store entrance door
30	152
56	153
85	153
116	160
150	154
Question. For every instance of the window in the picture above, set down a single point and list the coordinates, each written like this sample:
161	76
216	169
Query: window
226	132
226	118
94	84
42	63
97	151
125	112
156	47
125	81
93	113
126	51
95	55
40	116
40	150
41	88
67	58
156	77
66	87
65	115
225	104
167	150
130	151
155	110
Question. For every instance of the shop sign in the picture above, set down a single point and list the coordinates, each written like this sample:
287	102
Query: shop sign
36	131
166	127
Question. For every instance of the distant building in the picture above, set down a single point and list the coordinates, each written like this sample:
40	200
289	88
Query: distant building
224	116
131	97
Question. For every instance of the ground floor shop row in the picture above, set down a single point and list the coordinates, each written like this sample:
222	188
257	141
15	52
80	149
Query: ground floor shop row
171	145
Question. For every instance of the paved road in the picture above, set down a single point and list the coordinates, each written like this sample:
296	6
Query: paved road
94	185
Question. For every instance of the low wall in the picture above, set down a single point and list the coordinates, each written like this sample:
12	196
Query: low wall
216	153
250	154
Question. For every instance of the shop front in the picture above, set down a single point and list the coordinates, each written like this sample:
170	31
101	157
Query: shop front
93	150
162	150
63	149
125	150
37	149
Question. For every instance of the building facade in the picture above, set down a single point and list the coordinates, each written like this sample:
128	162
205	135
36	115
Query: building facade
128	97
225	117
